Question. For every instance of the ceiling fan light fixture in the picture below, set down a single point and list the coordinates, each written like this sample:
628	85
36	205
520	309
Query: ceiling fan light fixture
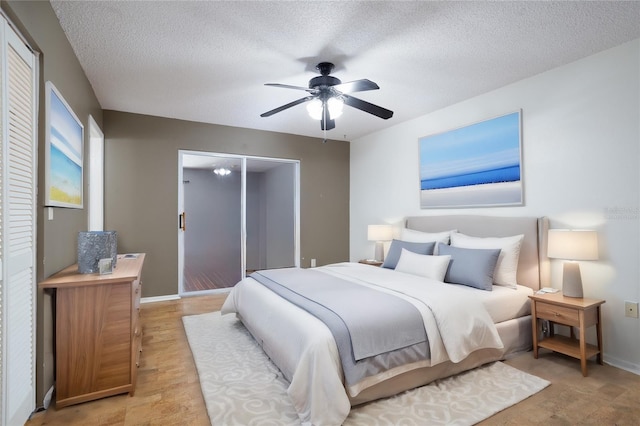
335	106
314	108
221	171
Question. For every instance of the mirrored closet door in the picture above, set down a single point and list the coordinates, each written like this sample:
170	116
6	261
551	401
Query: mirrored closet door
237	214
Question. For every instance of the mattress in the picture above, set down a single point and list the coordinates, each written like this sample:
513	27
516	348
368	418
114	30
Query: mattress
304	349
504	303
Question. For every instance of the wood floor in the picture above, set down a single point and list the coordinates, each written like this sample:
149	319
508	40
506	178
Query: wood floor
168	391
197	280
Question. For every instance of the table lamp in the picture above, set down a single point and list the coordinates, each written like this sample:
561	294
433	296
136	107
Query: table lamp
379	234
572	245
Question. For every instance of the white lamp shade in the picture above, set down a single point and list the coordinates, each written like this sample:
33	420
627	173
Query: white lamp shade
314	108
379	232
334	105
572	244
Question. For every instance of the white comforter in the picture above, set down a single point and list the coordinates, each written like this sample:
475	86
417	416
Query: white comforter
304	350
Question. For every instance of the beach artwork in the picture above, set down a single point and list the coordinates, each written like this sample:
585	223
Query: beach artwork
63	153
473	166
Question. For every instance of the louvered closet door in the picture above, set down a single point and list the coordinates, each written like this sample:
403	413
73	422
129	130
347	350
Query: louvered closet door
17	228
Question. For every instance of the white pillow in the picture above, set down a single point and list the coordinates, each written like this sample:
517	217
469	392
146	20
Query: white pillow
423	265
506	270
413	236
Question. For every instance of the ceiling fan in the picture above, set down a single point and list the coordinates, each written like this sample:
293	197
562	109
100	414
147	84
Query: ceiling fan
327	94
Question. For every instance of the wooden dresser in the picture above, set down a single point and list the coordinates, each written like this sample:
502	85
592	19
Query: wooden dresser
98	337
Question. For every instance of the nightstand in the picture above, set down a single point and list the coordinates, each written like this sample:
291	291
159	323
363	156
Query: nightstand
572	312
370	262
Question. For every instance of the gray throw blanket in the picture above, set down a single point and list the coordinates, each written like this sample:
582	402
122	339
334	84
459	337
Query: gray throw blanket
374	331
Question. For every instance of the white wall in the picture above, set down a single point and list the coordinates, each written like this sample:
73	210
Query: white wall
581	153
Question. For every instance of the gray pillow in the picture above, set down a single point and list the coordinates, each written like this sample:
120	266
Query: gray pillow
471	267
396	250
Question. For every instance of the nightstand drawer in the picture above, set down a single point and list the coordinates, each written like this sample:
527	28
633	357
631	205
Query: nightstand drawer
559	314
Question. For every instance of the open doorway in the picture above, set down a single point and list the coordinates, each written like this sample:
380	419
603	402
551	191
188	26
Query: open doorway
238	214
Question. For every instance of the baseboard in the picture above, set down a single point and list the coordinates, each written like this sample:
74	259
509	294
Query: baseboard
622	364
178	297
159	298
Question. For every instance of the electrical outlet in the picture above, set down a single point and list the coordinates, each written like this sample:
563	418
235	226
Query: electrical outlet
631	309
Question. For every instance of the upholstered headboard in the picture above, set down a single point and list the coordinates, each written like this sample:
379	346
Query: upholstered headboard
533	265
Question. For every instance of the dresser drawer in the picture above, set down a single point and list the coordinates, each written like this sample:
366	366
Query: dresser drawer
559	314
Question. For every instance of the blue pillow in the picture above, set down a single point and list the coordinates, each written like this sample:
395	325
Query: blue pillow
470	267
396	250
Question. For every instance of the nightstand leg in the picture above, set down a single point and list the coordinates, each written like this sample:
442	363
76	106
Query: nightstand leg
534	324
583	345
599	333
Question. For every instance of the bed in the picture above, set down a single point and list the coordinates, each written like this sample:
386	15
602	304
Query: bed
305	350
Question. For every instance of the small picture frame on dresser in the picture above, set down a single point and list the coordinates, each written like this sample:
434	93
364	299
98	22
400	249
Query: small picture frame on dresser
105	266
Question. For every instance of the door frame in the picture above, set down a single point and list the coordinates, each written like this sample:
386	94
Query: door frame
243	227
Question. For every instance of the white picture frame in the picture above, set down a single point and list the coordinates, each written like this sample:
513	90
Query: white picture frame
64	146
477	165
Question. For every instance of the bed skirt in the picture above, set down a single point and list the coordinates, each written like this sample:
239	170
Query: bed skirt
515	335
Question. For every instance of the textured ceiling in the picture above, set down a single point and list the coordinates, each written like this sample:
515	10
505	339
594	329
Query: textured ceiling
208	61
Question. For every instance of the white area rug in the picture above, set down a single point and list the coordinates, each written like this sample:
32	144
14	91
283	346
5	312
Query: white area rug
242	387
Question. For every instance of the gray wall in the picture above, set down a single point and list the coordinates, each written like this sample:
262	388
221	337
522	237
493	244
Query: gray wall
56	239
256	229
141	187
280	216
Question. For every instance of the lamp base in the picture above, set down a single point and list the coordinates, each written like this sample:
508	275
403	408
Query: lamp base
379	251
571	280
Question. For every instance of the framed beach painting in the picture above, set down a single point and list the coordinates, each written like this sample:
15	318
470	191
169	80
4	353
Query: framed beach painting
63	152
473	166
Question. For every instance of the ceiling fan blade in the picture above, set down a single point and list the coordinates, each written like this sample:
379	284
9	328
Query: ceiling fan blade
367	107
326	123
356	86
289	105
288	86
